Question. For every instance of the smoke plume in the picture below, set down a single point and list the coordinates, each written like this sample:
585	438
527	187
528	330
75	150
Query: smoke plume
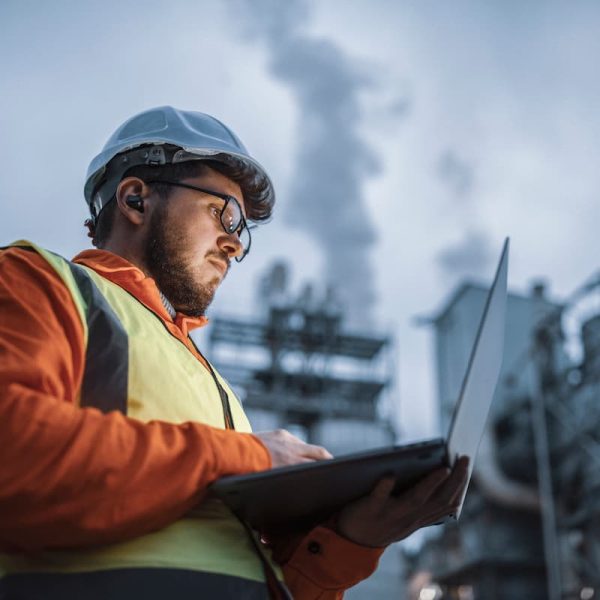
456	173
333	158
470	257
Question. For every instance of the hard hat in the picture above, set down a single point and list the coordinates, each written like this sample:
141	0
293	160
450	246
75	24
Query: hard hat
165	135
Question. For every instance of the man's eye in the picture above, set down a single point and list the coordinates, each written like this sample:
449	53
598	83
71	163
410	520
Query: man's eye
215	210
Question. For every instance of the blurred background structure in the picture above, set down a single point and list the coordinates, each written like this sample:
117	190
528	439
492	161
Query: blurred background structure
405	141
298	365
530	525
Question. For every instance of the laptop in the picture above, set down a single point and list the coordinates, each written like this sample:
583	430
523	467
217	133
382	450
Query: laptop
297	497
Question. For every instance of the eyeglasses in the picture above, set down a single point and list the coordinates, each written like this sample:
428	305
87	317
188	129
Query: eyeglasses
231	215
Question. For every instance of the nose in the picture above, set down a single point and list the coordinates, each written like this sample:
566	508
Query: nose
230	244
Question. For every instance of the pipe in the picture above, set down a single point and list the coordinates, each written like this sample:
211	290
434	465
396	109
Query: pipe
495	485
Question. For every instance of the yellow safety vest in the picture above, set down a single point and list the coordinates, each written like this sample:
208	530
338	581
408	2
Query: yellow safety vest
150	375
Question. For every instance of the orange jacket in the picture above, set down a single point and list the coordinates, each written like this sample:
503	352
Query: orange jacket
60	462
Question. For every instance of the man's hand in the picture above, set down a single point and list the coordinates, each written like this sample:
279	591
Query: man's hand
286	449
379	519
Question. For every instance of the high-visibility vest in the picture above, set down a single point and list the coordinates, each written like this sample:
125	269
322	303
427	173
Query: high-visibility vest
134	365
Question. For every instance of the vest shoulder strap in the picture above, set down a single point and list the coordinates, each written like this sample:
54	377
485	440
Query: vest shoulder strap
63	269
105	378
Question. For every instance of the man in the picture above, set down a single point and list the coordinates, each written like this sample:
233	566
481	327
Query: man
112	422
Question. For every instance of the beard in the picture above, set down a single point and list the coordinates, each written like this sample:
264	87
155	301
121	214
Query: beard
165	258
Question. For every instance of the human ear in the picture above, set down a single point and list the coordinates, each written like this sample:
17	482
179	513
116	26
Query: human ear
131	197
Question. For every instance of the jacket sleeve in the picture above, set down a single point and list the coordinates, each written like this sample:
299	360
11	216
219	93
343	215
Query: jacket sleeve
76	475
321	565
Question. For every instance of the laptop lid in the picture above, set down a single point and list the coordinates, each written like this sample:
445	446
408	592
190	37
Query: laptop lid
479	383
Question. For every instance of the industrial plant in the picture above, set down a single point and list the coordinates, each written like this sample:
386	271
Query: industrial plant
530	526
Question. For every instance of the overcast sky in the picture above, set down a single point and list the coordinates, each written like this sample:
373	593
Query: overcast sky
405	139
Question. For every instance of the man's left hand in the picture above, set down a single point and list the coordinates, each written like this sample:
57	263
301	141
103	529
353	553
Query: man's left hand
379	519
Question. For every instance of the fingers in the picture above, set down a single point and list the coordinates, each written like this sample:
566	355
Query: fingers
379	518
315	452
286	449
454	487
448	496
443	486
427	487
383	489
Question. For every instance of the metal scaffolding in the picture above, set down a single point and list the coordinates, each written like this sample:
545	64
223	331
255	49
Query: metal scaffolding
297	360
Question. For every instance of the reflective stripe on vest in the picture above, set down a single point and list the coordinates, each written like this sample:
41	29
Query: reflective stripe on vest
163	381
104	383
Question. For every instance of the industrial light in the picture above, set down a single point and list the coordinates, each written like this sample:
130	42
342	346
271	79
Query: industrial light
586	593
430	592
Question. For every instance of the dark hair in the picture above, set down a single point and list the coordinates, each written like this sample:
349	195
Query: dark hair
258	197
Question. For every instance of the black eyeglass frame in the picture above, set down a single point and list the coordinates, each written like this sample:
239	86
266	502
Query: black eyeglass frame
227	198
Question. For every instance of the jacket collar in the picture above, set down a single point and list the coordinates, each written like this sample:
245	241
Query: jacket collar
132	279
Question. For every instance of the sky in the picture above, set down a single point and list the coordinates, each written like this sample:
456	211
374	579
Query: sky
405	140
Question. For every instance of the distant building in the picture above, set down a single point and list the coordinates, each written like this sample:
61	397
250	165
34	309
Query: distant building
541	444
455	329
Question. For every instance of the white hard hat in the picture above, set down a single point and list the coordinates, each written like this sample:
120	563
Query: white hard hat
162	136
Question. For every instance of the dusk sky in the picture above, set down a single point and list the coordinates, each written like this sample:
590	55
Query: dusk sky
405	139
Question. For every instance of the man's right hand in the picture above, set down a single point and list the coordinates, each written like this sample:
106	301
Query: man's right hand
286	449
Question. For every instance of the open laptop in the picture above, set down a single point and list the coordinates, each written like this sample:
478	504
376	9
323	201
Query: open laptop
297	497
